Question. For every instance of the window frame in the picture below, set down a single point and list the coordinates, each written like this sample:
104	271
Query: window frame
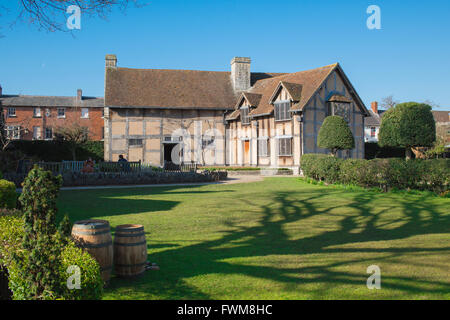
263	141
281	143
86	115
61	116
13	132
47	129
12	115
37	114
286	112
246	110
136	145
373	132
34	133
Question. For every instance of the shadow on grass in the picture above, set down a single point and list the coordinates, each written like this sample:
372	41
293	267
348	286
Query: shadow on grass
418	216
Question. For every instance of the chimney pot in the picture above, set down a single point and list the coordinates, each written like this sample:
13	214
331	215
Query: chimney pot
110	60
1	91
79	94
240	73
374	106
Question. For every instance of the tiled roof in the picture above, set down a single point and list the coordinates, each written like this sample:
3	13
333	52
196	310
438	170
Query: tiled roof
374	120
339	98
309	80
50	101
441	116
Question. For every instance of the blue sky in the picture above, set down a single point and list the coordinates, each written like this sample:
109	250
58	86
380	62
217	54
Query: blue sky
408	58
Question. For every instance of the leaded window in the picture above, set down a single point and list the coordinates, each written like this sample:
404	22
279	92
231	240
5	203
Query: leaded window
281	110
285	146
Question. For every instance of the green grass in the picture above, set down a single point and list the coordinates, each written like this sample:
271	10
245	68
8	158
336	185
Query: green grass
281	238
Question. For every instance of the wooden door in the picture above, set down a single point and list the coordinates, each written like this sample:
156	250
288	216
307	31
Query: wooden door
247	152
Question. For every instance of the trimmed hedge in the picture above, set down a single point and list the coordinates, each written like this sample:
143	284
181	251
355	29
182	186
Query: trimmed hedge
8	195
58	150
432	175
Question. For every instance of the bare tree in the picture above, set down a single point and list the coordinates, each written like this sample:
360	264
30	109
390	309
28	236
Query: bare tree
74	134
388	102
51	15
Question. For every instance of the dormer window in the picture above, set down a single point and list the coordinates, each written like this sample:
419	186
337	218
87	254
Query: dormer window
281	109
245	119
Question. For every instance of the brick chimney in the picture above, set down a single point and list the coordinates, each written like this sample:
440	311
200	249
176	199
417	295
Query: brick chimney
240	73
110	60
374	106
79	94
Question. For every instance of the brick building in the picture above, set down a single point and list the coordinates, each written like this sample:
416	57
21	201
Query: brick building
36	117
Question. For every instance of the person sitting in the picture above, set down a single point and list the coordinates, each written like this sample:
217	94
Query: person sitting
88	166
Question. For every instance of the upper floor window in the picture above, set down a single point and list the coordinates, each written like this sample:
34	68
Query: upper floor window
373	131
36	112
85	113
61	112
135	142
48	112
13	132
245	119
339	109
282	110
11	112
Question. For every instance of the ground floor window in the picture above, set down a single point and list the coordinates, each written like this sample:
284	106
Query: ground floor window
373	131
285	146
263	147
13	132
48	133
36	133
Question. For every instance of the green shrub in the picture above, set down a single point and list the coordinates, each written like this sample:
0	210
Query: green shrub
11	233
91	287
335	134
321	167
8	195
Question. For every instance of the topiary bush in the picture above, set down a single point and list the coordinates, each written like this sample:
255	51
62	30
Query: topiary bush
91	286
408	125
335	134
8	194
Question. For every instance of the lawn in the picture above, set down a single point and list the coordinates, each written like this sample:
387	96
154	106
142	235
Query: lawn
277	239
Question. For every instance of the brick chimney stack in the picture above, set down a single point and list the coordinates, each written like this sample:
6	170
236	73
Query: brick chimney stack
374	106
240	73
79	94
110	60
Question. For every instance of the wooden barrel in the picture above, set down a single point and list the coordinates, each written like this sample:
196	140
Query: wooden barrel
95	237
130	250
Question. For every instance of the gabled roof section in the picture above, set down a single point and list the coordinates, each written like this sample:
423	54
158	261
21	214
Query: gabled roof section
251	98
309	80
293	89
339	98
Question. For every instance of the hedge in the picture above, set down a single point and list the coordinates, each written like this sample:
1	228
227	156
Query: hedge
372	150
8	195
432	175
57	151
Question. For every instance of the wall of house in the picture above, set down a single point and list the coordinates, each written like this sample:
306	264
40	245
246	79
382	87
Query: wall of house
262	127
155	126
315	111
26	119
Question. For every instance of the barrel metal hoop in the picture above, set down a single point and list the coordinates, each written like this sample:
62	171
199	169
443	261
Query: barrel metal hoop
130	229
128	235
91	226
86	233
99	245
129	244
